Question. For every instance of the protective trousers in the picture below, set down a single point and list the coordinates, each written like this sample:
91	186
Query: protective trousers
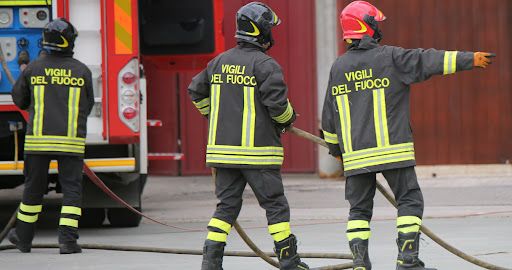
268	188
360	191
36	184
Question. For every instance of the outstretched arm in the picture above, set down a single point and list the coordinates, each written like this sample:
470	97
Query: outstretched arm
417	65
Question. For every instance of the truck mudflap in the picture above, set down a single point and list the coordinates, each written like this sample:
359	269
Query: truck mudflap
101	165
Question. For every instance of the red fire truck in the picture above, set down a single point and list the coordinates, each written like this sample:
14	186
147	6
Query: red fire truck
116	39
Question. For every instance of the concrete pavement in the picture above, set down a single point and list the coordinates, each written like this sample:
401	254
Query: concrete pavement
472	213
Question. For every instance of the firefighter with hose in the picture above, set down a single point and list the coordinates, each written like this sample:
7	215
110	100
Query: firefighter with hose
56	90
365	123
243	93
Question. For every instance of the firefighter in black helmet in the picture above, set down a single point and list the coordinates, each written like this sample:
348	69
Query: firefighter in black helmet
243	94
56	90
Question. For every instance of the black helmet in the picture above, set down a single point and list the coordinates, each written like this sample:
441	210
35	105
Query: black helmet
59	35
254	22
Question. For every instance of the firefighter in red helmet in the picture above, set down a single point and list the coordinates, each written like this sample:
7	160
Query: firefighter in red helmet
365	121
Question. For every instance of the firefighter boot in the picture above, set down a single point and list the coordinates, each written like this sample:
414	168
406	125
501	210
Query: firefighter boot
213	253
15	240
408	252
69	248
359	250
286	252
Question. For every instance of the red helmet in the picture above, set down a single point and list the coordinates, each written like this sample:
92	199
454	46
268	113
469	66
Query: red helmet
360	18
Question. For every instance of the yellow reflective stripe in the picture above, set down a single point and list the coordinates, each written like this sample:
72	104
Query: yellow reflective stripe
31	208
246	148
205	110
203	106
280	236
71	210
346	126
217	237
243	152
220	224
331	138
378	161
409	229
25	3
408	220
358	224
202	103
363	235
60	138
378	151
73	109
215	95
56	145
450	62
27	218
380	117
68	222
54	148
278	227
53	141
251	160
37	125
249	117
286	115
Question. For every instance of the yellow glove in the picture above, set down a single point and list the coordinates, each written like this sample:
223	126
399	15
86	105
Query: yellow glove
482	59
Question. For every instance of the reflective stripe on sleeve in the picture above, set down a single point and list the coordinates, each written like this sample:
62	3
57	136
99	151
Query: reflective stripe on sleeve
286	115
450	62
331	138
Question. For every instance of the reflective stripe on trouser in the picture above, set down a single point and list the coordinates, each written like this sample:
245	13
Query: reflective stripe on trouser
266	185
29	213
358	229
218	230
280	231
408	224
70	178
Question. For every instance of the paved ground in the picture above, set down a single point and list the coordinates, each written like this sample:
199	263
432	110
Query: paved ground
473	213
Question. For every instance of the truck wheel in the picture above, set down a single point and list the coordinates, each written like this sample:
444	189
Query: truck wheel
92	217
122	217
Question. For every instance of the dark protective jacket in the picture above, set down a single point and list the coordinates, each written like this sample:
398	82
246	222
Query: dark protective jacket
366	117
243	93
57	92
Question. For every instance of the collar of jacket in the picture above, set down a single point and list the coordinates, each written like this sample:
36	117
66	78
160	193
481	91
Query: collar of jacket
249	47
366	43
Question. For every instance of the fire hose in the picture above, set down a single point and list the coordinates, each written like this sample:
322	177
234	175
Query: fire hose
257	252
